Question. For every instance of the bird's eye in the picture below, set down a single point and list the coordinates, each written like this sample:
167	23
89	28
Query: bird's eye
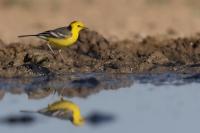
79	25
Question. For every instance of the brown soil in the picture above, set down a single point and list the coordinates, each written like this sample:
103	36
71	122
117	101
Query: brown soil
114	18
93	53
130	44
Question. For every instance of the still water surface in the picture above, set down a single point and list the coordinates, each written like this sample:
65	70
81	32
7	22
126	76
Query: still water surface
118	103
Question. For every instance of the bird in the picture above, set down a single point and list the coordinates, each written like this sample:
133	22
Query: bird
62	109
61	37
68	107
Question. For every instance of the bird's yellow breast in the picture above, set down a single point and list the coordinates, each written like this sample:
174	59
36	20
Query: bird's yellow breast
62	42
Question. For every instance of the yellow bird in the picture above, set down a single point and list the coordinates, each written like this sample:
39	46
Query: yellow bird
62	109
61	37
67	106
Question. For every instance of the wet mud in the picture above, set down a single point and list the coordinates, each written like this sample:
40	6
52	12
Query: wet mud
94	53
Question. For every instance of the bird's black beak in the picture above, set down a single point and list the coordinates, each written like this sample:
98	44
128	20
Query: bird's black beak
86	28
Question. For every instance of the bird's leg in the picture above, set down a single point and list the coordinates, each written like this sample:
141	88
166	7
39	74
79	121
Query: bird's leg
61	94
54	55
61	55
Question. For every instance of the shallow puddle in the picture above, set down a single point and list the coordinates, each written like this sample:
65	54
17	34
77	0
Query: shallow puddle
107	102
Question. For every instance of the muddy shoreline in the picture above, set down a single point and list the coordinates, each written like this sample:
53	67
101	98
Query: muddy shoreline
94	53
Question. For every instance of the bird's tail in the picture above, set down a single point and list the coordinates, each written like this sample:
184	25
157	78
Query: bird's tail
26	35
28	111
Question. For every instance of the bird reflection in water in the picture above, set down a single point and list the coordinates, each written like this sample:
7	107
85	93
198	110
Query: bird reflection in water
63	109
67	110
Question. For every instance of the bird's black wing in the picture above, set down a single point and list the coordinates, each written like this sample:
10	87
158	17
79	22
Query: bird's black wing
59	33
61	114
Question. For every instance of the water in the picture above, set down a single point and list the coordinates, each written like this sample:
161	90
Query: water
112	103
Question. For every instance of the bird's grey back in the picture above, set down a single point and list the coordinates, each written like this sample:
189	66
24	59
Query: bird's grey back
59	33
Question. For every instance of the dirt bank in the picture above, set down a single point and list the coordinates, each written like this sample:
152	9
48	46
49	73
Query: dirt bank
93	53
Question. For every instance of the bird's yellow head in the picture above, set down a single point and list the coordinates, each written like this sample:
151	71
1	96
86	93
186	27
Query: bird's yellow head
78	121
77	25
